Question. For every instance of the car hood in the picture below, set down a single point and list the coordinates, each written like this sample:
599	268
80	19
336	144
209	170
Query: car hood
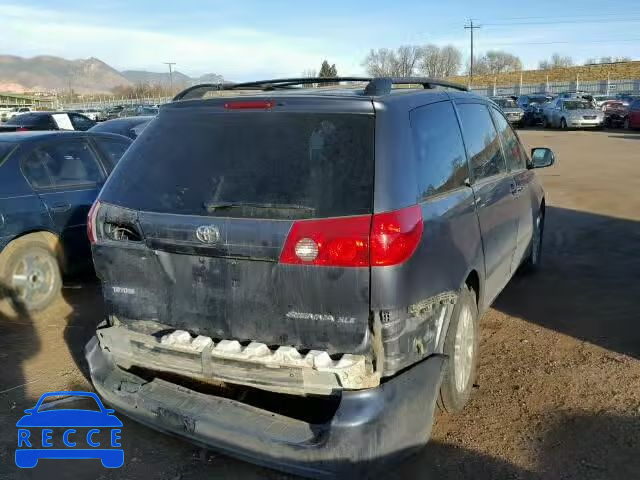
69	418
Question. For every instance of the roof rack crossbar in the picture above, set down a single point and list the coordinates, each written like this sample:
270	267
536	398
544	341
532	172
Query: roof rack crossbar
375	86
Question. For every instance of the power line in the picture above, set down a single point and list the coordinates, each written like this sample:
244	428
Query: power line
565	22
598	15
566	42
471	27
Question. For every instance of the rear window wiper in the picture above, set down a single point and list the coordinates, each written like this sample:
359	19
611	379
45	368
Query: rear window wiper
213	206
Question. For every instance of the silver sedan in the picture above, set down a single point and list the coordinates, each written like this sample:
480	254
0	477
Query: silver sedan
571	113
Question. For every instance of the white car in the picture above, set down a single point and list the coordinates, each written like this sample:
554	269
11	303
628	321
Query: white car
13	112
571	113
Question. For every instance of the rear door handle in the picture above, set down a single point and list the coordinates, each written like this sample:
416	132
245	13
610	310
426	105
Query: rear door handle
60	208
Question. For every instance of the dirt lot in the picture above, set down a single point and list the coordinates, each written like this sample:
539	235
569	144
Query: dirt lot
558	393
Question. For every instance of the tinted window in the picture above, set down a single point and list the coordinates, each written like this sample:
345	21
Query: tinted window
80	122
439	151
513	151
635	105
112	149
35	172
267	164
32	119
482	142
66	163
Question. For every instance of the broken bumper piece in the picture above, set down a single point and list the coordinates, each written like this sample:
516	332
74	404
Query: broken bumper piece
369	428
283	370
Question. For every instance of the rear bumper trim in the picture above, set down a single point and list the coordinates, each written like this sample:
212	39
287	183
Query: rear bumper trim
369	427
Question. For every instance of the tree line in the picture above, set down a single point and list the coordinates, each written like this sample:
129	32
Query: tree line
438	62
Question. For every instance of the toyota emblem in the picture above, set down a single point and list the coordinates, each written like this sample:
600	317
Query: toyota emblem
208	234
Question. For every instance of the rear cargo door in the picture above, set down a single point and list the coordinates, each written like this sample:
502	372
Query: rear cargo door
215	195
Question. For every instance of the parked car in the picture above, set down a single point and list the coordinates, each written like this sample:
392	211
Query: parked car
511	110
632	120
615	113
328	256
48	181
572	113
47	121
138	110
601	99
627	99
129	127
4	116
532	106
90	113
110	113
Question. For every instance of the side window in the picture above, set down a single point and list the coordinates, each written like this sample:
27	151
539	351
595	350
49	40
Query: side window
69	163
513	151
481	138
438	147
112	150
35	172
80	122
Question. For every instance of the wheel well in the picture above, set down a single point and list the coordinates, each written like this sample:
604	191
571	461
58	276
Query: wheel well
473	282
542	207
52	239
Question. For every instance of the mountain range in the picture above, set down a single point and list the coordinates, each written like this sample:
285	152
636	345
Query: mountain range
46	73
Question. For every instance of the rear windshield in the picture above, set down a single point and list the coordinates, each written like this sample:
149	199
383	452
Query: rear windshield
241	164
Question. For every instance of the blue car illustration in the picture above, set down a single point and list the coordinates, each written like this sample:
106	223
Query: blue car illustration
31	448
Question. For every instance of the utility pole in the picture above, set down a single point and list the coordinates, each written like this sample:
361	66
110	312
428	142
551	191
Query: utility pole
171	64
471	27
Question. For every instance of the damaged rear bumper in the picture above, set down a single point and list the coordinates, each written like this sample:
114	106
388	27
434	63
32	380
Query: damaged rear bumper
369	427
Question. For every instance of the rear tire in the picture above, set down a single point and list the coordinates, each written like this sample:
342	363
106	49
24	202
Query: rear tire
563	124
627	125
30	274
533	262
545	122
461	348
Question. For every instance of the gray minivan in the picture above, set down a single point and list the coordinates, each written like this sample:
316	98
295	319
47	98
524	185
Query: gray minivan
295	276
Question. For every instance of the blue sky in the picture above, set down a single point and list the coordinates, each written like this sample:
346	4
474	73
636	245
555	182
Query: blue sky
250	39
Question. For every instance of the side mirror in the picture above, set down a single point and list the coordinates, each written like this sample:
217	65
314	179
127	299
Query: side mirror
541	158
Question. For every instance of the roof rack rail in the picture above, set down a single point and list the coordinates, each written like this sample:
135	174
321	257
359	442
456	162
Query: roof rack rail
375	86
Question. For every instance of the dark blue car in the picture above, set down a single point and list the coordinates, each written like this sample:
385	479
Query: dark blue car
48	182
78	443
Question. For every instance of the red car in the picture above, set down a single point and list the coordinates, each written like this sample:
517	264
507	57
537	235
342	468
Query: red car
633	117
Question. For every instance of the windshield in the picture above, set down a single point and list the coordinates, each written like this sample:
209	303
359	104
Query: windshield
576	105
506	103
297	165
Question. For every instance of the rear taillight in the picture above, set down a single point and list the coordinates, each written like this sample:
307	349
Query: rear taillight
335	242
91	222
395	236
250	105
382	239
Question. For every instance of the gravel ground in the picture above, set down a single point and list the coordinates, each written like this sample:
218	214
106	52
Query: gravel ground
558	393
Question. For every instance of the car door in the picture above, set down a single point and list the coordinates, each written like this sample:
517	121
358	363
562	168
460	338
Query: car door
75	178
521	178
492	186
